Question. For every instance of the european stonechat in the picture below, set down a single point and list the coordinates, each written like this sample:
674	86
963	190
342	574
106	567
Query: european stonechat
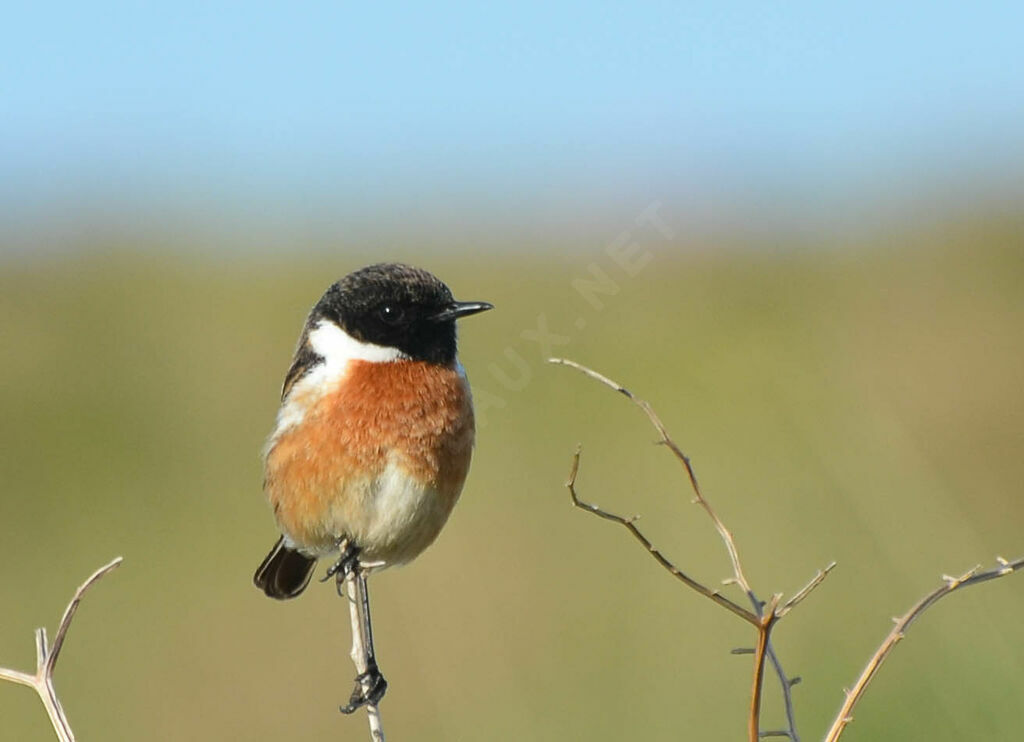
374	435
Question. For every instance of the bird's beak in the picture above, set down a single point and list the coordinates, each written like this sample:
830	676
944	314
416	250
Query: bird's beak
460	309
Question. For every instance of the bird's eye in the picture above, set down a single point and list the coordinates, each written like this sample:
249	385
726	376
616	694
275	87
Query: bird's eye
390	314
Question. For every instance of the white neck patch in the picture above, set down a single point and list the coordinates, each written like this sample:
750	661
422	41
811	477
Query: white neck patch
338	349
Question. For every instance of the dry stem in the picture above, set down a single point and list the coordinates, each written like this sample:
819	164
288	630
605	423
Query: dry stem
971	577
630	525
355	590
758	617
46	660
764	632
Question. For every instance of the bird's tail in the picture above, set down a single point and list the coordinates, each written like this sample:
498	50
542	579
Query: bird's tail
285	572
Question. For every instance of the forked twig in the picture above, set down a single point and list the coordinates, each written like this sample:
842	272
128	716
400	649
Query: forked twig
666	440
766	615
630	525
763	621
46	659
764	634
951	584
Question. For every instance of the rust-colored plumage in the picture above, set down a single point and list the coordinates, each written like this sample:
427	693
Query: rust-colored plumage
327	477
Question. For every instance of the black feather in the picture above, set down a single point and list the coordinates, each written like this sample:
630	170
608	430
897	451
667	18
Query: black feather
284	573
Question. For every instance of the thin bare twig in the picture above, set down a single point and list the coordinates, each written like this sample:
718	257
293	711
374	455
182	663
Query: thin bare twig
764	635
355	590
666	440
630	525
952	584
738	577
785	681
46	660
763	623
806	589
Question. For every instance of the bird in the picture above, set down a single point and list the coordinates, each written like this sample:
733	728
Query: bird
372	442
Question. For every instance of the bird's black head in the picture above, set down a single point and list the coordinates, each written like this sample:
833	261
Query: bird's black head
397	306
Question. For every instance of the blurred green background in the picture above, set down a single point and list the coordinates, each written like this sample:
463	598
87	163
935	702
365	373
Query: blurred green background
831	326
857	402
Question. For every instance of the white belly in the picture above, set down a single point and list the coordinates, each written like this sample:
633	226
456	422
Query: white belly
400	517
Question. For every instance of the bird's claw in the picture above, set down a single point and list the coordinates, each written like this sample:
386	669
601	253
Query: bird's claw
347	563
370	688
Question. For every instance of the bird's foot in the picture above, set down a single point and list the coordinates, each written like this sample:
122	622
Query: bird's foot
370	688
347	563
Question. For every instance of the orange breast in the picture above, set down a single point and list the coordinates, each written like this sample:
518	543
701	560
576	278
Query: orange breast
321	475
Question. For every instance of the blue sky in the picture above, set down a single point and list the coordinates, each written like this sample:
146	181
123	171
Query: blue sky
244	106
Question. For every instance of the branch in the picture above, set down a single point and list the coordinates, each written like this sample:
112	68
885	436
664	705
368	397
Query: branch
764	632
806	589
630	525
757	617
355	590
952	584
666	440
46	659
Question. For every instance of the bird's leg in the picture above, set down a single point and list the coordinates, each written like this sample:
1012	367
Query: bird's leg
370	684
347	563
